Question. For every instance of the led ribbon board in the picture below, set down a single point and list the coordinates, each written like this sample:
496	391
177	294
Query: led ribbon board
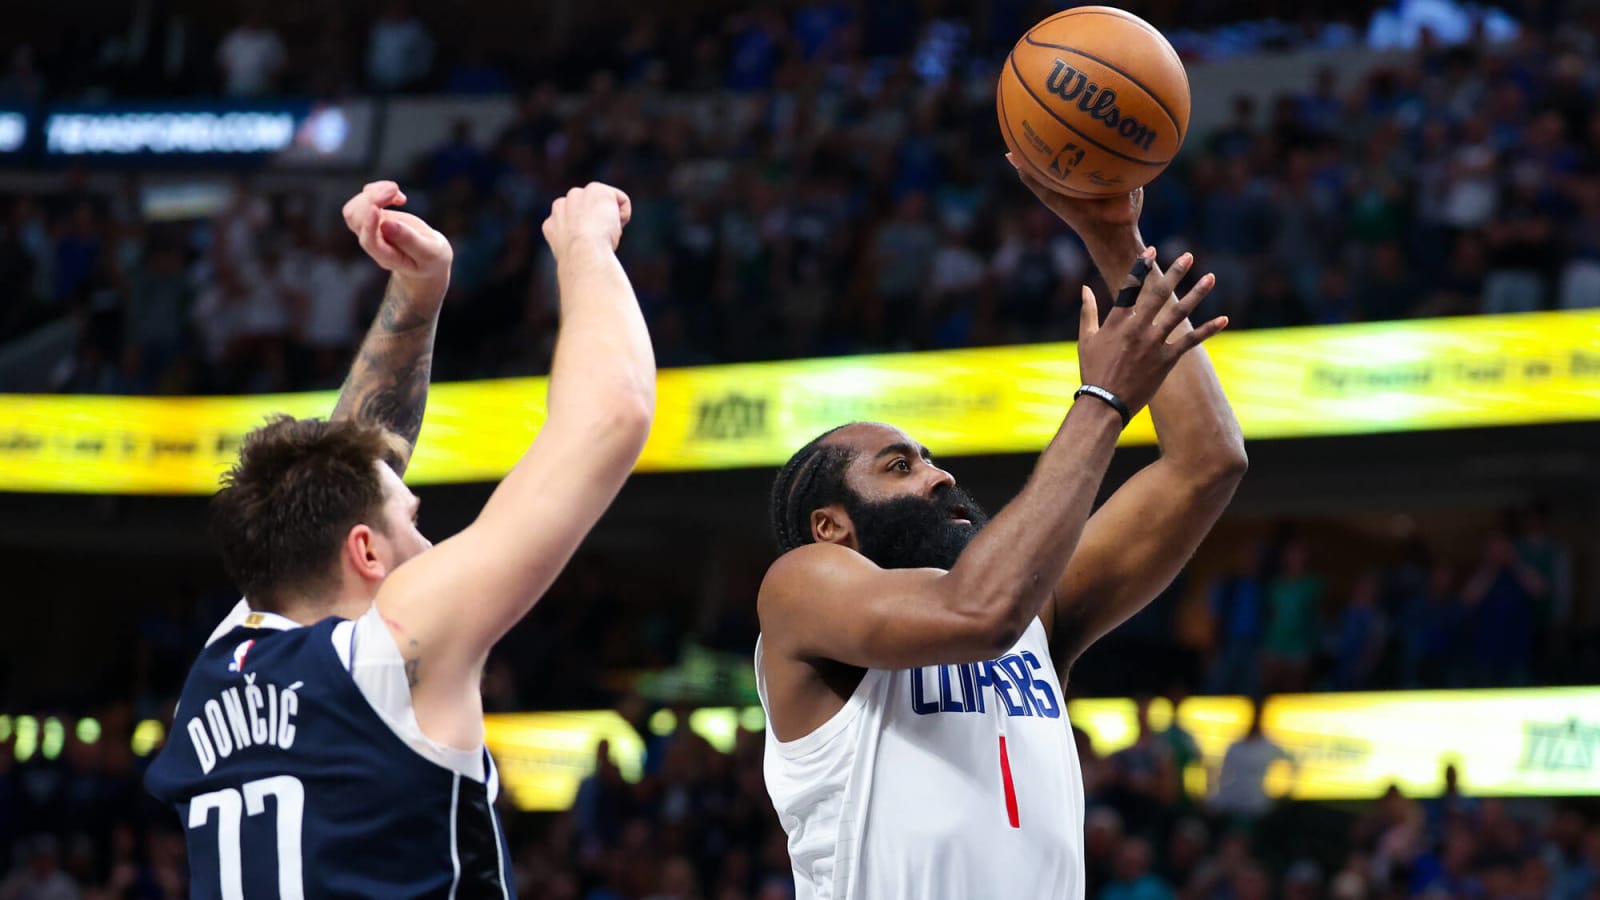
1541	742
1480	371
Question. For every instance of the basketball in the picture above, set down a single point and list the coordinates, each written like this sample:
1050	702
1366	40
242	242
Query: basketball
1093	101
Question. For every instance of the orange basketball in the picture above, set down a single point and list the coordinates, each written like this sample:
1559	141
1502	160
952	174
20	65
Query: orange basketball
1094	101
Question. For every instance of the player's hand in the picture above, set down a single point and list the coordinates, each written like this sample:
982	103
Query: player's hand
592	214
1131	354
398	241
1085	216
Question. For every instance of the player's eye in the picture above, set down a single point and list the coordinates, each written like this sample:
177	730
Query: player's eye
901	465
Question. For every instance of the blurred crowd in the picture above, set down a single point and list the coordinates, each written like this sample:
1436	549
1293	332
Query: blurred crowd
799	197
816	179
253	48
1501	614
697	825
1164	820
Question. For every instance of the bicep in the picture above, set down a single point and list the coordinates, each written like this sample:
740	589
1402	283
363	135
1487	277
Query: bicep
828	602
456	600
1131	550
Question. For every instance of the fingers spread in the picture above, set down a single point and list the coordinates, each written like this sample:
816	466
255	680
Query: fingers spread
1185	307
1202	333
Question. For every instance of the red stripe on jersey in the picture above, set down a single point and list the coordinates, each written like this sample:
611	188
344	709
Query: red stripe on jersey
1011	789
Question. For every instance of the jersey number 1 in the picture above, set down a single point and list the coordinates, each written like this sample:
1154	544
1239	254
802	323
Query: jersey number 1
251	799
1011	789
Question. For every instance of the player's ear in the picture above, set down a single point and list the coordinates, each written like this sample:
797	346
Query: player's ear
360	551
832	525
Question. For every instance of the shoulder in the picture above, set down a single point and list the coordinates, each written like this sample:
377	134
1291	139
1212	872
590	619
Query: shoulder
807	568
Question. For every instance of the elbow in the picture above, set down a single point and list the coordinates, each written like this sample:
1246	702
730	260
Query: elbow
615	427
1223	469
627	419
998	629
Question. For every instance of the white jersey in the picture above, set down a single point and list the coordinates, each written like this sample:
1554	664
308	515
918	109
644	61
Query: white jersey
956	781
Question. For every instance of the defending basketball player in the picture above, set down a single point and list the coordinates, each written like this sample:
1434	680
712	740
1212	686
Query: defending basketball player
917	743
329	739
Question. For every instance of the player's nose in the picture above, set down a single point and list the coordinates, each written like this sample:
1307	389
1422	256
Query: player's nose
940	478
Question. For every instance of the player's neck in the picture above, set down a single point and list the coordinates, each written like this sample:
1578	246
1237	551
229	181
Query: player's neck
349	604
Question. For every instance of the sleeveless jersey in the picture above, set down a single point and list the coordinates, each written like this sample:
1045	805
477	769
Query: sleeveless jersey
297	766
955	781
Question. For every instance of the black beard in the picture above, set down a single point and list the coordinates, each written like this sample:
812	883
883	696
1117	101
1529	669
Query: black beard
916	532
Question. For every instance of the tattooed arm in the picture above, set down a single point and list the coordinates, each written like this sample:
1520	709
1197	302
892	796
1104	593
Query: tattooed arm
388	383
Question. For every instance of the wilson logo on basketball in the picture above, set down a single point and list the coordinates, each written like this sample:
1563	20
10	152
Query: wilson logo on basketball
1100	103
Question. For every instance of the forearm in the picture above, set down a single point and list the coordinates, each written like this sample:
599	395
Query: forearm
388	383
603	359
1192	416
1012	566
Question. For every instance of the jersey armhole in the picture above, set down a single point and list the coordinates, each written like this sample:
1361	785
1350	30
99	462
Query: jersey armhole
367	651
818	737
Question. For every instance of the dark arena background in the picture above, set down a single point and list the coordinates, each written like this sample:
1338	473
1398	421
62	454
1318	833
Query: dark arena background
1401	201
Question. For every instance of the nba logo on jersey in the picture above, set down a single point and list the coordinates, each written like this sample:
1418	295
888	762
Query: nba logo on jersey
239	652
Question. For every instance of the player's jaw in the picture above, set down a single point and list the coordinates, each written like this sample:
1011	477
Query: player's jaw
915	531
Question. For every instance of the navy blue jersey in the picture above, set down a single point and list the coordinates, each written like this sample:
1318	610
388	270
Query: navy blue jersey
291	784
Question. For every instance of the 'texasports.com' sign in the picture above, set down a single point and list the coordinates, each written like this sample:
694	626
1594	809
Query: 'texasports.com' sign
1456	373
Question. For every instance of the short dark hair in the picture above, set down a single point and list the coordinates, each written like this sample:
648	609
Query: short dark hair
297	489
813	477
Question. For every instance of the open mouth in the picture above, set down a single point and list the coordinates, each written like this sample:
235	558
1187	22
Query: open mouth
960	514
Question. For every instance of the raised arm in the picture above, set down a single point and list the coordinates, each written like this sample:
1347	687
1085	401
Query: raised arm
1135	544
825	601
388	382
448	606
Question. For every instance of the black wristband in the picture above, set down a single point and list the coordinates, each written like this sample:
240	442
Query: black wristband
1108	398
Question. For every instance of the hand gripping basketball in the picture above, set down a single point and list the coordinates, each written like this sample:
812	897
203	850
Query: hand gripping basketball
1131	354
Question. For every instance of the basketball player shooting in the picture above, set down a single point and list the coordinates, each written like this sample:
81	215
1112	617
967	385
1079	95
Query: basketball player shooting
329	739
918	745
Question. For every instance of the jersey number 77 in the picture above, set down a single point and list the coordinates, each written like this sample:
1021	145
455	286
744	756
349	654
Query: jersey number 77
250	799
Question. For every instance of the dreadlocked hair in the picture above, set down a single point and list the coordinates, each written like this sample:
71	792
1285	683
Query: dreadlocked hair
813	477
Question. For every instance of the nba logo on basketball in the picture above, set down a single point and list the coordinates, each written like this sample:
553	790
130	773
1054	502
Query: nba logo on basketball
1066	160
239	652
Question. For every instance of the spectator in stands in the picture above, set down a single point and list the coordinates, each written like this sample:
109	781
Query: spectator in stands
1145	780
77	252
1432	617
1500	594
1134	880
1037	275
1580	277
1241	789
1294	599
1361	635
22	82
1389	289
251	58
459	159
160	298
331	276
1543	552
902	252
1522	253
399	49
1103	835
38	874
1238	607
1235	139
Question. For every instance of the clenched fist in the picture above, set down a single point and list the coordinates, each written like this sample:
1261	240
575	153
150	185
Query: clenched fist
594	213
398	241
